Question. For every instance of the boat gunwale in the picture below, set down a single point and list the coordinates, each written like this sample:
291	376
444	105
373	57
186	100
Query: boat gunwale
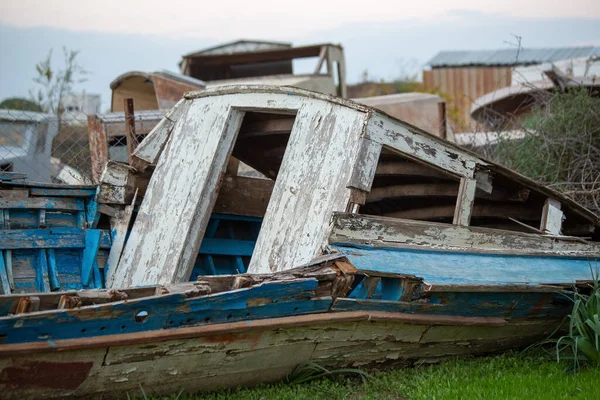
162	335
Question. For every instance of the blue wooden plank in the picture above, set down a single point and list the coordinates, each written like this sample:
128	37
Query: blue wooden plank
241	268
49	185
211	229
92	244
10	176
269	300
470	268
52	271
227	247
47	238
4	275
506	305
97	277
46	203
42	282
92	215
391	289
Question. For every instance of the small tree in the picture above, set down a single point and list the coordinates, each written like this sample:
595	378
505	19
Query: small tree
16	103
563	150
54	83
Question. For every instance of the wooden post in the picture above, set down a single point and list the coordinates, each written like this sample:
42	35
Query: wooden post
130	127
442	111
464	202
552	217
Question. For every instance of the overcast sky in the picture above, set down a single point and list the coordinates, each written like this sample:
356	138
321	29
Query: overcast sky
254	18
387	38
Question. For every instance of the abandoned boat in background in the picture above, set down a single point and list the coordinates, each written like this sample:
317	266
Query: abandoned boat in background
371	244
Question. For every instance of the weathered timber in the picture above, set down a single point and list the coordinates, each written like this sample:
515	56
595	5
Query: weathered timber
191	356
464	202
244	196
148	152
310	185
436	266
163	245
403	233
552	217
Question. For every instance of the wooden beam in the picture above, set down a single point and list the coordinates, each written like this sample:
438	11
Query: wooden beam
364	168
464	202
404	233
266	127
552	217
409	168
479	210
244	196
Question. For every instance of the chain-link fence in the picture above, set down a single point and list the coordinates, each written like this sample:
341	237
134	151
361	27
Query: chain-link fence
45	147
71	148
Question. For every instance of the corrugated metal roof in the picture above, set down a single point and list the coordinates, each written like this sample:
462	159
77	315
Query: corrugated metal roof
510	56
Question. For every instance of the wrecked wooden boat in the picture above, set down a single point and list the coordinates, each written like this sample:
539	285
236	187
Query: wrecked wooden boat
370	243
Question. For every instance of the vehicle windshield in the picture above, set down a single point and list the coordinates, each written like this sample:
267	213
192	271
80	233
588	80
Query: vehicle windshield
13	134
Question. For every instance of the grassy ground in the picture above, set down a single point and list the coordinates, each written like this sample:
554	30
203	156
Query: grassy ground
509	376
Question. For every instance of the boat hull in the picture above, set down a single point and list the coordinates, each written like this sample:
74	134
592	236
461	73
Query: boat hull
247	353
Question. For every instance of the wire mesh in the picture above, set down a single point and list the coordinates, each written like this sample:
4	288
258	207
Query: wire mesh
45	147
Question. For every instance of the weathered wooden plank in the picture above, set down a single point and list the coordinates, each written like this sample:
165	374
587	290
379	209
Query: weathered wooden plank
98	145
119	183
41	270
392	232
46	203
11	176
149	150
267	127
552	217
464	202
244	196
119	227
363	171
52	270
420	145
311	184
4	283
90	252
409	168
14	194
267	300
441	266
166	235
68	238
518	211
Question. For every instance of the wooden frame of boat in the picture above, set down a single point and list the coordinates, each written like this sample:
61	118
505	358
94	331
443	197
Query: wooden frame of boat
410	248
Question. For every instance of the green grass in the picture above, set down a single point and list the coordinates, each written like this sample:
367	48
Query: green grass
509	376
